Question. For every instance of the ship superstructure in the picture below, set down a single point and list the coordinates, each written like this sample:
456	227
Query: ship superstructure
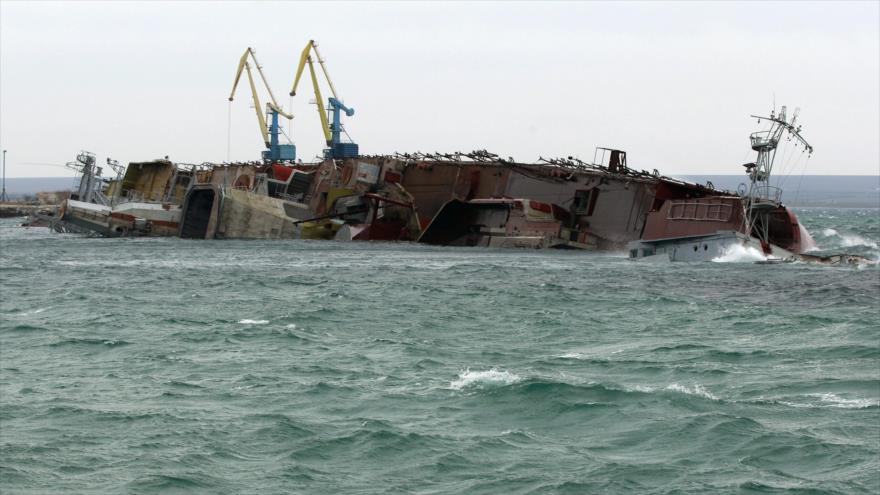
702	229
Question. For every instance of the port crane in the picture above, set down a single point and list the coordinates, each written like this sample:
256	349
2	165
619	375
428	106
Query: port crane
275	151
331	125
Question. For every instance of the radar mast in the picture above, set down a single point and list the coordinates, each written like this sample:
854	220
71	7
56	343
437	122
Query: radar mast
763	197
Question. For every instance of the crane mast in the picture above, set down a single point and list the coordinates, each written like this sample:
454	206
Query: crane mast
275	151
331	125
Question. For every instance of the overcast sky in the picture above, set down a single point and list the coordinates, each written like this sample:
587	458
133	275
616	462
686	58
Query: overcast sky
673	84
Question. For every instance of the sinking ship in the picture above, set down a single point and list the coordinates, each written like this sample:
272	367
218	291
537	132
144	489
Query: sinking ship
429	198
142	200
472	198
458	199
754	221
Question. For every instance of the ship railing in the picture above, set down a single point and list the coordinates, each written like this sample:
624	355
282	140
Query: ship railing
762	139
766	193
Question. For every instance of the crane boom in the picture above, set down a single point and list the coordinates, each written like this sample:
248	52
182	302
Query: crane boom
332	130
322	112
304	57
261	119
244	64
269	134
324	68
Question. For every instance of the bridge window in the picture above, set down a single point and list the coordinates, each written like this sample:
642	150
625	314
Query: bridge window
697	210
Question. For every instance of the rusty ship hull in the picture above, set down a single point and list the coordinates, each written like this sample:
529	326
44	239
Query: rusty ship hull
460	199
400	197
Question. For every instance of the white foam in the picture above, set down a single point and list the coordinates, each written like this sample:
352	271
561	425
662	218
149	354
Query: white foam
850	240
640	388
34	312
493	377
834	400
291	326
738	253
253	322
572	355
697	390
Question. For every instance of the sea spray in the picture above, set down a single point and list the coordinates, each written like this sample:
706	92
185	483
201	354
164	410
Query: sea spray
737	253
488	378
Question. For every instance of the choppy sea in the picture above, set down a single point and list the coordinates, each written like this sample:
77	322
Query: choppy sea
169	366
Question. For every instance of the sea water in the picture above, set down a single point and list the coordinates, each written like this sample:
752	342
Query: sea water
168	365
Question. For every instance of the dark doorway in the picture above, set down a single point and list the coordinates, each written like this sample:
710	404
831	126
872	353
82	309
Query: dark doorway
198	214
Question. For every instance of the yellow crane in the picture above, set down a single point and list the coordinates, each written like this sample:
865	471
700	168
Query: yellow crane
276	151
332	129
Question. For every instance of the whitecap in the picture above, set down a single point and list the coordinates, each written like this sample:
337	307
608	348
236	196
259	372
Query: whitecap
571	355
697	390
34	312
492	377
852	240
291	326
253	322
834	400
640	388
738	253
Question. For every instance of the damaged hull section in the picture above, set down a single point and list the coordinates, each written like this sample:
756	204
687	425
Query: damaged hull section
127	219
508	223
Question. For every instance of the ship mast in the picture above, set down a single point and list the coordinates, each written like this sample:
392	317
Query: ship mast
763	197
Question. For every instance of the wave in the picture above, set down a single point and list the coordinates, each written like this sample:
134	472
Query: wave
696	390
834	400
89	414
162	483
738	253
253	322
480	379
372	439
33	312
276	426
25	328
89	342
848	239
681	347
818	401
185	385
495	379
853	351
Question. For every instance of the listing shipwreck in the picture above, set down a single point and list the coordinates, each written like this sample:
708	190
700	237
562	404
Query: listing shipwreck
447	199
